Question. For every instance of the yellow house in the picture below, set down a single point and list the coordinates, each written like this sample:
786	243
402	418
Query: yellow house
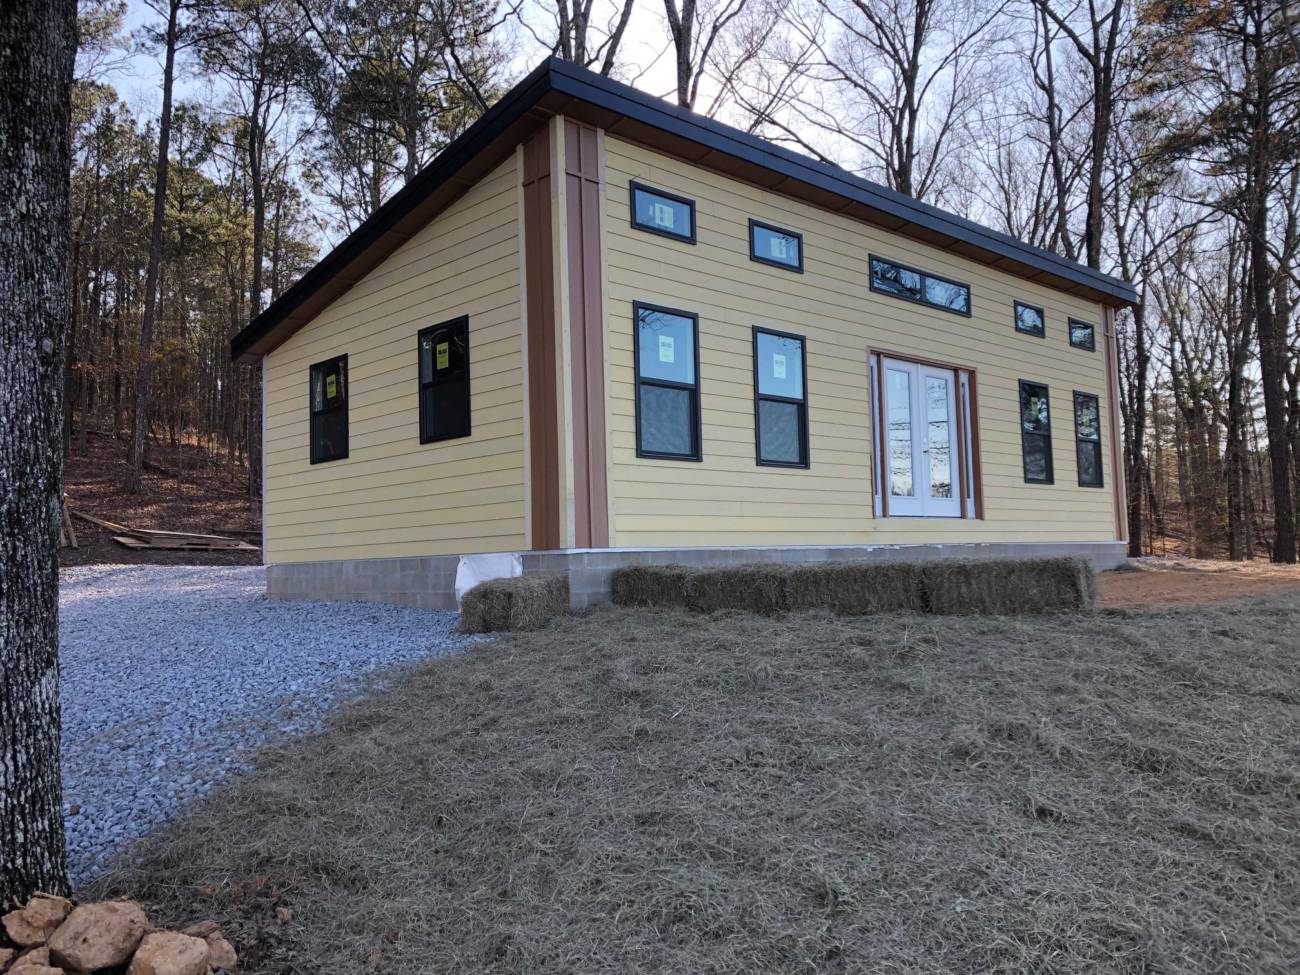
601	330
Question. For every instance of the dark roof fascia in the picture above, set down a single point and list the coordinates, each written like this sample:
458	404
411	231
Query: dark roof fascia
624	100
571	81
508	110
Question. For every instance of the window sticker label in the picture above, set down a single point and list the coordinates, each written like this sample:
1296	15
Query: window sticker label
331	386
444	355
779	247
666	348
778	366
663	215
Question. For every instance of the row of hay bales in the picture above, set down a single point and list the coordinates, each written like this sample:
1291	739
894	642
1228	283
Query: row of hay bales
990	586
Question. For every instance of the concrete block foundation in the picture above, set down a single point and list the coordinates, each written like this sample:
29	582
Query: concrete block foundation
430	582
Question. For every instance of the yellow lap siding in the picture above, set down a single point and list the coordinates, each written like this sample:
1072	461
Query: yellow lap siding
393	496
727	499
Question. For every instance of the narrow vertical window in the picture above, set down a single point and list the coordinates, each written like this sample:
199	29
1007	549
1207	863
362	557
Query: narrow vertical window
1087	438
1036	433
780	399
444	381
329	410
667	383
1083	335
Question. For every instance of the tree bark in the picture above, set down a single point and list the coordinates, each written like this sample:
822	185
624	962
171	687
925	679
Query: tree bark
37	48
135	460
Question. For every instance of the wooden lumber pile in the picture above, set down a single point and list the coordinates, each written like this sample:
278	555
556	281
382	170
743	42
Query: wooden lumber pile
138	538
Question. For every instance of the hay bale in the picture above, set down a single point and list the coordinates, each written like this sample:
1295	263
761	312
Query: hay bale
650	585
1005	587
520	603
856	588
757	589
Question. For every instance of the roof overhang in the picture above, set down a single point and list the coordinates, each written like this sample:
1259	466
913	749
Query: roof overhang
559	87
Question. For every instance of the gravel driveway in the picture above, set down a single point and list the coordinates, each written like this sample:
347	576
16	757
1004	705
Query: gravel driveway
172	675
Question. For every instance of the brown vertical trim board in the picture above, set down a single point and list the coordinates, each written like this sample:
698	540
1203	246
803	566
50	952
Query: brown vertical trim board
539	304
1112	402
582	200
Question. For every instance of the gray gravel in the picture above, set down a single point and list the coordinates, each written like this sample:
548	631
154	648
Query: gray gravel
174	675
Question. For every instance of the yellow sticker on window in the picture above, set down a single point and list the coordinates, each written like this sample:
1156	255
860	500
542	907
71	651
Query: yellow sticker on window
444	355
331	386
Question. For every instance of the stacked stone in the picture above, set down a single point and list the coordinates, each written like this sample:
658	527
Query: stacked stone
52	937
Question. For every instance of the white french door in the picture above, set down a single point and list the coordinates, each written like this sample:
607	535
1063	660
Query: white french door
921	440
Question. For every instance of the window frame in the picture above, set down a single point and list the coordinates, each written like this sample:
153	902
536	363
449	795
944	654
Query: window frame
634	185
759	259
313	413
805	450
1020	420
1101	474
871	284
462	322
1042	315
1092	330
694	389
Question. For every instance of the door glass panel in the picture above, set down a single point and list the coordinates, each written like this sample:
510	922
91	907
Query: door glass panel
938	436
898	402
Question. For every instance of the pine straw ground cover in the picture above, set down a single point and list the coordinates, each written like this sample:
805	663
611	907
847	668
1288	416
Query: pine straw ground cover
650	791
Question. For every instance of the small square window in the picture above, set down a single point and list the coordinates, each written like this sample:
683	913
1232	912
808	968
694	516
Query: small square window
663	213
772	245
1083	335
1030	320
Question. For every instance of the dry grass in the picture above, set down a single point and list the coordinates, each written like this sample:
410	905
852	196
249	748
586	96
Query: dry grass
519	603
651	791
1009	586
857	588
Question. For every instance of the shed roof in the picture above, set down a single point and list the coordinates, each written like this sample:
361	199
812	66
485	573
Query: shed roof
558	87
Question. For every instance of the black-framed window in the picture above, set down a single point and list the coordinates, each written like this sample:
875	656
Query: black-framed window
1087	438
660	212
1083	335
773	245
443	352
1036	433
1030	320
780	399
901	281
328	396
667	383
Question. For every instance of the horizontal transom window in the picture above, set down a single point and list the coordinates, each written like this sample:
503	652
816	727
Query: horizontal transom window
772	245
901	281
660	212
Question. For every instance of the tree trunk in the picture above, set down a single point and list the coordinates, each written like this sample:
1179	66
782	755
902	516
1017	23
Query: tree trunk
135	461
37	47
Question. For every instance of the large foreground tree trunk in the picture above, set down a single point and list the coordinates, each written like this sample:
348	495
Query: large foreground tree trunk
37	46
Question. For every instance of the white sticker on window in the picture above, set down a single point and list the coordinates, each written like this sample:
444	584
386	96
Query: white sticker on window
664	215
778	366
779	246
665	348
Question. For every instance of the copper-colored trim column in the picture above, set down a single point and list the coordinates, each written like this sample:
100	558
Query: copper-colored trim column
1109	338
582	201
539	303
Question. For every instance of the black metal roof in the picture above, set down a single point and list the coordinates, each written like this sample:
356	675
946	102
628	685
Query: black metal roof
557	86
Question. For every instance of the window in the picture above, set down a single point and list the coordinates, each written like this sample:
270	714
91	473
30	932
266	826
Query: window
1083	335
667	383
329	410
910	284
444	381
1087	438
1036	433
663	213
780	402
772	245
1030	320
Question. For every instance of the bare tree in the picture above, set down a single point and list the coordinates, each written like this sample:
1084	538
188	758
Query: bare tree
694	31
37	51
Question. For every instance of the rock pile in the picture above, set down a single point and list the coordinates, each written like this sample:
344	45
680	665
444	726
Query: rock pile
52	937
